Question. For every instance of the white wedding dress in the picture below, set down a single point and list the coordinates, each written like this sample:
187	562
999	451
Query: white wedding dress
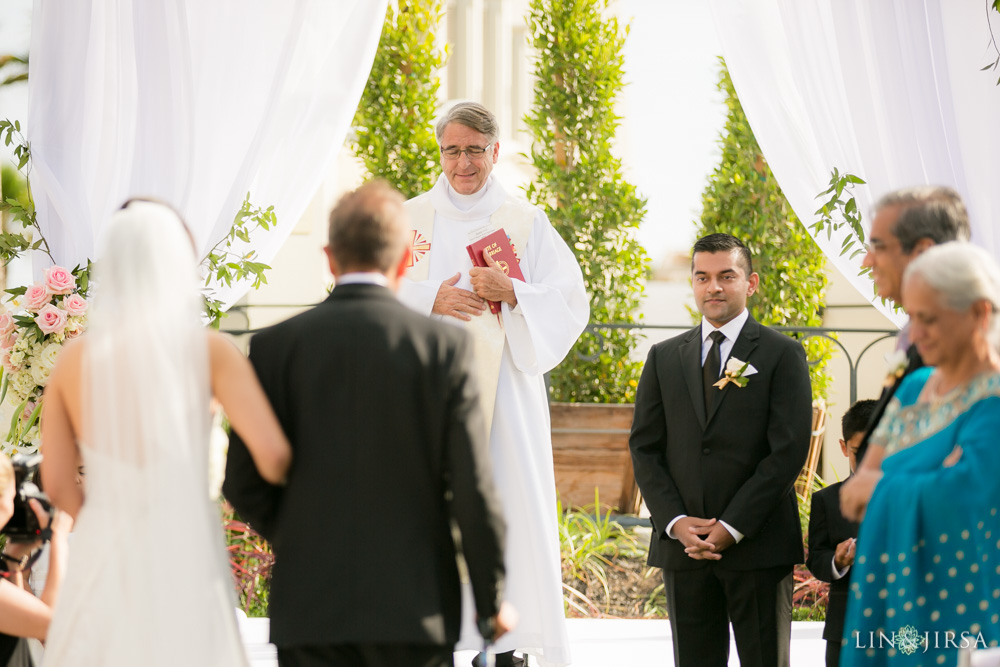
147	583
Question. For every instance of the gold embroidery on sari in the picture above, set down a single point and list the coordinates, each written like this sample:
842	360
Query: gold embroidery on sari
902	426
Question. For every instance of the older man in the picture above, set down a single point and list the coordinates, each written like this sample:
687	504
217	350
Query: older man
382	413
906	223
537	323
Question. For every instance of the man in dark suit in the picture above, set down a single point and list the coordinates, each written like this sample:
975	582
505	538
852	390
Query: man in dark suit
386	432
832	537
907	222
716	456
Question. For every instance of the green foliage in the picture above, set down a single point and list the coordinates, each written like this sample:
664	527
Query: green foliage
809	594
588	543
250	560
13	185
13	69
995	6
19	205
837	213
742	198
221	264
581	187
224	266
393	125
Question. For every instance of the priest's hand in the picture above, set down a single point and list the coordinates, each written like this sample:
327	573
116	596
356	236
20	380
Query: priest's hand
491	283
457	302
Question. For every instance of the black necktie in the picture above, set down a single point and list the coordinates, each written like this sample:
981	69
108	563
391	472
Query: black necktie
710	371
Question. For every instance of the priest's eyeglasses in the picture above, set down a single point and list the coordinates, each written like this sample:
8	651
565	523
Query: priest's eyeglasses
471	152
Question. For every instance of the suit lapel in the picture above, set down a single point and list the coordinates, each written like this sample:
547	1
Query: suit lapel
690	352
745	344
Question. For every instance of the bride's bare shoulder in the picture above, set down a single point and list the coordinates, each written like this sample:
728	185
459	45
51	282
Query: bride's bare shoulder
71	354
69	364
221	347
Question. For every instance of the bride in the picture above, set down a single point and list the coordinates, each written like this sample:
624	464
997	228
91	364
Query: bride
147	582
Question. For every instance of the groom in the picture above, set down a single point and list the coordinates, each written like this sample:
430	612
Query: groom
388	453
717	465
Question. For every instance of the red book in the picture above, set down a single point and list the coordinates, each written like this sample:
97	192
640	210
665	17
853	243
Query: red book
501	252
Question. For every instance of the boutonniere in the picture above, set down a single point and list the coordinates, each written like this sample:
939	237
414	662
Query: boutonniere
738	372
898	361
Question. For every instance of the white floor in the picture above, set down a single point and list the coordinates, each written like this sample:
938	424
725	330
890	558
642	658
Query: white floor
596	643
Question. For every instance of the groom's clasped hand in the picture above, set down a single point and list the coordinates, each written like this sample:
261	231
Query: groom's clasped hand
703	539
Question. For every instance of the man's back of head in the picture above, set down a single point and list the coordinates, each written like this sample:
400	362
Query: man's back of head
368	229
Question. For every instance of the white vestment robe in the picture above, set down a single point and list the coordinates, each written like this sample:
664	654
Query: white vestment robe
552	310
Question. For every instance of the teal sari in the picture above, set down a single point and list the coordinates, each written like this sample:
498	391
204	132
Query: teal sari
926	577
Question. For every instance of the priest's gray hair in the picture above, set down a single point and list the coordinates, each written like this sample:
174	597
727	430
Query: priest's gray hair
961	274
472	115
932	212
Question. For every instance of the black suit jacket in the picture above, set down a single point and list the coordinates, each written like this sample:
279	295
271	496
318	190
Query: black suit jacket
827	529
388	449
739	462
914	361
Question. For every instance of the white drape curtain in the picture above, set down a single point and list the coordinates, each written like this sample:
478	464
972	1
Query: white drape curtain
194	102
889	90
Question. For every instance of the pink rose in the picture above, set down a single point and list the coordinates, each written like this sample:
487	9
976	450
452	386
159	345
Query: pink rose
5	360
7	340
6	323
74	304
36	297
51	319
29	407
59	280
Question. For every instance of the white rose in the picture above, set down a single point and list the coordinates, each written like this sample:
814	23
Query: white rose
47	357
734	365
40	374
24	383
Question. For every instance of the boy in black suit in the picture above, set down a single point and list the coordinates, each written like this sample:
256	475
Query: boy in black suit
832	537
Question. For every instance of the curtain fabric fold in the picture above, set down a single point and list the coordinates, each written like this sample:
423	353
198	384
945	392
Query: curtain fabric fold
889	90
195	103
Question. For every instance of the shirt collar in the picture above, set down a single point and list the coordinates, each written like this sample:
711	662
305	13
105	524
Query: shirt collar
731	329
492	197
363	278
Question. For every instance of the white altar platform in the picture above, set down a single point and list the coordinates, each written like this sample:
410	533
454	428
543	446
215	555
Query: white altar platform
595	643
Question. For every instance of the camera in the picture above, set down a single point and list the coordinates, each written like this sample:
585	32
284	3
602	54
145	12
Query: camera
23	525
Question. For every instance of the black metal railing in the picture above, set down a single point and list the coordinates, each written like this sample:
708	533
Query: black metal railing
853	363
809	332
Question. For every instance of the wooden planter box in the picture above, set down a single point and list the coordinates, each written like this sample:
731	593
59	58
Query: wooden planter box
590	449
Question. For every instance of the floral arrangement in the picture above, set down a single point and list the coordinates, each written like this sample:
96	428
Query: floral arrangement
46	315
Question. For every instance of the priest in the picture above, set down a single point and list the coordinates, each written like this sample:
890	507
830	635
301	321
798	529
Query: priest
536	322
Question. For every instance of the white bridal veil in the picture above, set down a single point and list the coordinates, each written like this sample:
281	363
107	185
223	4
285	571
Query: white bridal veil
151	584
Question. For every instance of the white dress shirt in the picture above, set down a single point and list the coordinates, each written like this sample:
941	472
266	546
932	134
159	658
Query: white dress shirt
363	278
731	330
